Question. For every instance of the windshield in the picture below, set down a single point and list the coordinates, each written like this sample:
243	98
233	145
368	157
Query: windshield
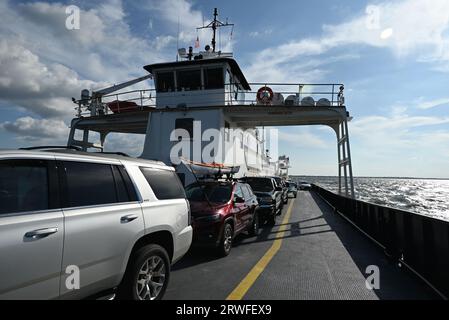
214	192
279	182
260	185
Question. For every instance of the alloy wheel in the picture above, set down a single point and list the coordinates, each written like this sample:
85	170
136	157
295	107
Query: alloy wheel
227	243
151	278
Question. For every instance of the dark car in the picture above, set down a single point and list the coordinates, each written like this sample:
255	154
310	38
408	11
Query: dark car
280	182
292	189
220	211
305	186
269	195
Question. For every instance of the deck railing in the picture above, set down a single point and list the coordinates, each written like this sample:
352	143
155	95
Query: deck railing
327	95
418	242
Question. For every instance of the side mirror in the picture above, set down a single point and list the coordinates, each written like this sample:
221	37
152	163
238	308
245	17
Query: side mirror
239	199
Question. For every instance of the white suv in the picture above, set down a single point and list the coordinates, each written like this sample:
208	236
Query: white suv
75	225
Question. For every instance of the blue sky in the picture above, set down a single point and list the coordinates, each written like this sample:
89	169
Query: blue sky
392	56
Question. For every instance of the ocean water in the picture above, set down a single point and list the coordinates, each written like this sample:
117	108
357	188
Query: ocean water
424	196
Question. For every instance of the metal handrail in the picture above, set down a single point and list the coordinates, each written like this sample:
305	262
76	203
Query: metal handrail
143	96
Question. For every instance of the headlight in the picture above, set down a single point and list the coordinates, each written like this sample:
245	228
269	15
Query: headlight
210	218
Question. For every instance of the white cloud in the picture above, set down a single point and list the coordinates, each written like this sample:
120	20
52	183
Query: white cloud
257	34
423	104
44	89
302	137
31	131
179	14
163	41
174	11
103	48
131	144
407	27
400	145
43	64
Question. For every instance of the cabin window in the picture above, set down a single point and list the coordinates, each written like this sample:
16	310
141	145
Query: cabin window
213	78
189	80
165	81
186	124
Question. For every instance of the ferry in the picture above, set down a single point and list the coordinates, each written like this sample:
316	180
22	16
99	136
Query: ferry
202	115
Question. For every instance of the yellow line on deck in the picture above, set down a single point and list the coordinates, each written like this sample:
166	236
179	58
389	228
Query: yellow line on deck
243	287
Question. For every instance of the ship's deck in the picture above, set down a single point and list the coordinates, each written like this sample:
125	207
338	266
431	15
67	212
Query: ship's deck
244	116
315	254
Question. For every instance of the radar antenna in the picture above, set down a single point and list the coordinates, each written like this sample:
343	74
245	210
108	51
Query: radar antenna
214	25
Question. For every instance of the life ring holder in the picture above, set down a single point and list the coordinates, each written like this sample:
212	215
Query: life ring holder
265	95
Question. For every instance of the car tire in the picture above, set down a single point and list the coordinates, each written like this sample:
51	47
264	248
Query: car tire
271	221
138	284
225	246
295	195
253	229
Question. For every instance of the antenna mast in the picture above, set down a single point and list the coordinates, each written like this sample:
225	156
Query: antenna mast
214	25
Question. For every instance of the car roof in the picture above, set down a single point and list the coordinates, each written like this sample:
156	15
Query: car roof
81	155
218	182
256	178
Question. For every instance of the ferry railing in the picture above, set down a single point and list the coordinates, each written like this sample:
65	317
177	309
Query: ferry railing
328	95
418	242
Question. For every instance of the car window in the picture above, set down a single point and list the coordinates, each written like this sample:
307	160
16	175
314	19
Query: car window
216	193
245	190
89	184
260	184
125	189
278	182
165	183
250	190
238	192
23	186
128	184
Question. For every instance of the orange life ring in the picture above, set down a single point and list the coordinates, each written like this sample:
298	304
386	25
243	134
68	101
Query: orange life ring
265	95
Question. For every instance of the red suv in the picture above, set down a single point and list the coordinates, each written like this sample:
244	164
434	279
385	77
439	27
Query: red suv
220	211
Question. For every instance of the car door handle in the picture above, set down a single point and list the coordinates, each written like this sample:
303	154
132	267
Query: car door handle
41	233
128	218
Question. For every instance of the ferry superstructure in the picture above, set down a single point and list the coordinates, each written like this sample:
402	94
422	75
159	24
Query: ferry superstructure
203	108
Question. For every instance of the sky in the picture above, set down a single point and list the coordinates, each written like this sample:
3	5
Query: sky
392	56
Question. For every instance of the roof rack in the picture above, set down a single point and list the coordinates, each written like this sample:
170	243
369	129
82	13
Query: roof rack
116	153
52	147
72	148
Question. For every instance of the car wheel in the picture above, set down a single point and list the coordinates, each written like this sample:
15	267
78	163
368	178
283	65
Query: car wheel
271	221
254	227
147	275
226	240
286	200
296	194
